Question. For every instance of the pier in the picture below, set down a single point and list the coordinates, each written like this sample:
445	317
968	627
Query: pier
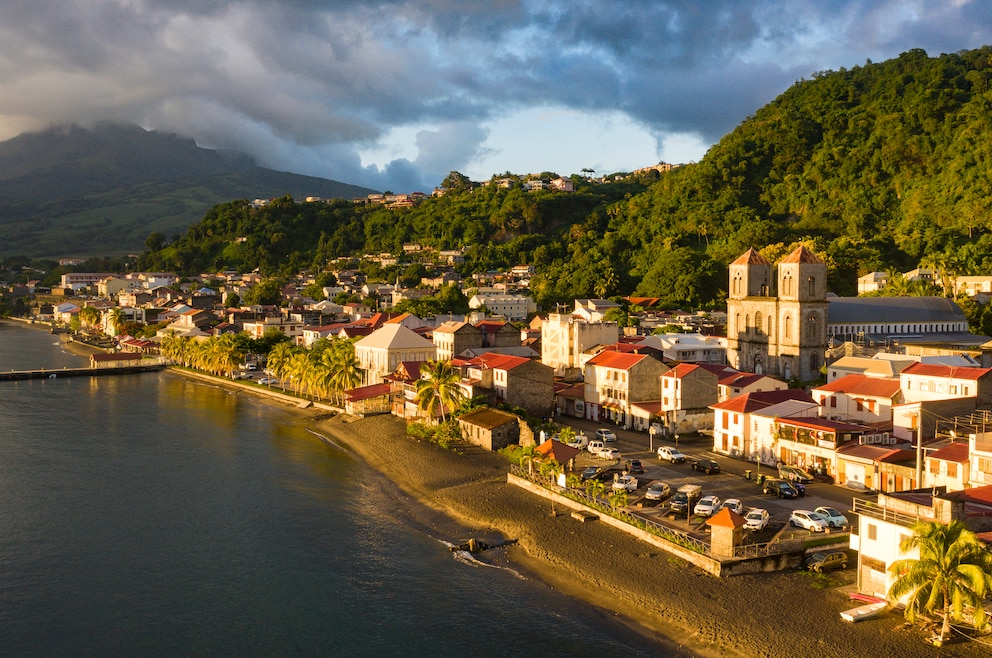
19	375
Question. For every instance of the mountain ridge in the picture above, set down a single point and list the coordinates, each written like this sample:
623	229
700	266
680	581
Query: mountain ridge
70	190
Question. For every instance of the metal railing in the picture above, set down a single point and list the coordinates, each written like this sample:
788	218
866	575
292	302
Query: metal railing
602	505
774	547
875	511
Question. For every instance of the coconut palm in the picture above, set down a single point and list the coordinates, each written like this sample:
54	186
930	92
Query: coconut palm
595	488
438	388
278	360
226	354
573	481
527	454
953	572
619	498
89	316
566	434
552	469
115	320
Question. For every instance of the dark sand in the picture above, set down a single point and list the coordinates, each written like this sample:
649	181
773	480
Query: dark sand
780	614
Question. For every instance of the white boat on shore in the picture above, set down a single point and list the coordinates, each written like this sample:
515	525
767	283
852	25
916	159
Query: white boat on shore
866	611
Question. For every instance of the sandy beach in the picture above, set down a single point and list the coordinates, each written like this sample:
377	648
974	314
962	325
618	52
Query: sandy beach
657	595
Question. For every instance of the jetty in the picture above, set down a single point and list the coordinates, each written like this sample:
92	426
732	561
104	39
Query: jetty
18	375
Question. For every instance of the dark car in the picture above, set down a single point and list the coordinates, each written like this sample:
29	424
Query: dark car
705	465
780	488
635	466
591	473
680	504
794	474
826	560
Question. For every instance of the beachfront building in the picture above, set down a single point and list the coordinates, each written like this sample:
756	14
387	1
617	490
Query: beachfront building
490	428
382	351
513	380
291	329
882	526
885	467
687	391
615	380
812	443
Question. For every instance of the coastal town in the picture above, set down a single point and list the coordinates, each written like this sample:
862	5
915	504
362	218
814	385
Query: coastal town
798	429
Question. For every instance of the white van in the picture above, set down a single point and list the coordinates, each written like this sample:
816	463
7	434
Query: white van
579	441
595	446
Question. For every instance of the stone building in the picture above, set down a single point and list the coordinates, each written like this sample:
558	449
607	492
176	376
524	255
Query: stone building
777	325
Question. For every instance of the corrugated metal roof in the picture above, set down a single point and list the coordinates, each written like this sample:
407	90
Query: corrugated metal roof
865	310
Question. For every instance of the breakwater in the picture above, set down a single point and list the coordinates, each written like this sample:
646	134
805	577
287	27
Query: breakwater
19	375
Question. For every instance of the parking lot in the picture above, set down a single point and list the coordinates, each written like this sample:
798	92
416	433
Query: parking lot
729	483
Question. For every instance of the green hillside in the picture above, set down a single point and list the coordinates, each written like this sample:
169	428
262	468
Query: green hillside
879	166
70	191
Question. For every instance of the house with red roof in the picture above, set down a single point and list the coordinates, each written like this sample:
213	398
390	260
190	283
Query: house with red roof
453	338
812	443
949	466
687	391
616	380
859	398
884	468
733	431
734	383
932	381
513	380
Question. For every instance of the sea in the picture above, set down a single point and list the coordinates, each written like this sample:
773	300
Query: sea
151	515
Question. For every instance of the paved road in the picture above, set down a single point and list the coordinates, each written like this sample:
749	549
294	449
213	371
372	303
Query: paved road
728	484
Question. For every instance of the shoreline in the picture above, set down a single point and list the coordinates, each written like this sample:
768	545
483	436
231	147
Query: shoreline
661	598
667	602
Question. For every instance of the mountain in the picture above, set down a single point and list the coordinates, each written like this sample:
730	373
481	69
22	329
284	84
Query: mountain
74	191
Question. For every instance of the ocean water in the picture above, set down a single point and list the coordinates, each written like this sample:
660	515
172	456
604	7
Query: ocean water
148	515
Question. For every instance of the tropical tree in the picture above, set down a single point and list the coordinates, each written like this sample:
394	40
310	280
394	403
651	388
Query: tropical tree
953	573
115	320
552	469
527	454
437	389
566	434
278	360
573	481
618	498
89	316
595	488
340	367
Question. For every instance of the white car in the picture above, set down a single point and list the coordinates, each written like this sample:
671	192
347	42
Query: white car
706	506
735	504
609	453
833	518
579	441
671	454
604	434
807	519
628	482
658	490
756	519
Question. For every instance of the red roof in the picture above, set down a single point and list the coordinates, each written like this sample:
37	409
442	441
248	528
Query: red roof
802	255
951	372
822	424
876	453
498	361
367	392
557	450
751	257
617	360
760	399
681	370
953	452
863	385
726	518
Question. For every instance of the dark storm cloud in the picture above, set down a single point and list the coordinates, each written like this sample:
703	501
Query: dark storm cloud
305	85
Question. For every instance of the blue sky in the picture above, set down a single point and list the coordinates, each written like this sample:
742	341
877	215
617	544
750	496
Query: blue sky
395	94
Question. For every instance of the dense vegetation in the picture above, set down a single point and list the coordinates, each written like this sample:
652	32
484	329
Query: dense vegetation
878	167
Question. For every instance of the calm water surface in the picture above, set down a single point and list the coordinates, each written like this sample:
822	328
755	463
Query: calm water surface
149	515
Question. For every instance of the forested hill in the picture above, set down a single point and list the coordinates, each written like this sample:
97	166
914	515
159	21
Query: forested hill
879	166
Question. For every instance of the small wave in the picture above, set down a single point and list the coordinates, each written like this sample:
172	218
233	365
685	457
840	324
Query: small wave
325	439
467	558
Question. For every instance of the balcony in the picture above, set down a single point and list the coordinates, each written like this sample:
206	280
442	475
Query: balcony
875	511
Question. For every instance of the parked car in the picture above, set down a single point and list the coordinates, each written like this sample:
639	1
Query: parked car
826	560
734	504
780	488
658	490
579	441
684	498
635	466
609	453
604	434
756	519
706	506
833	518
595	446
671	454
591	473
794	474
628	482
807	519
266	380
705	465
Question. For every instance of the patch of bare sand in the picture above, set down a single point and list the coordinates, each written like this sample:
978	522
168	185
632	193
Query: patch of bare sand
759	615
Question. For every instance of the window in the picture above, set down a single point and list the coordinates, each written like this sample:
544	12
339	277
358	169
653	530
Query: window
833	401
872	532
788	326
952	470
811	290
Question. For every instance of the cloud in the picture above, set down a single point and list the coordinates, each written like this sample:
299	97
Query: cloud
313	85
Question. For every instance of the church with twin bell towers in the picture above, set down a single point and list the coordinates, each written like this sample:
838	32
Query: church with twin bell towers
777	321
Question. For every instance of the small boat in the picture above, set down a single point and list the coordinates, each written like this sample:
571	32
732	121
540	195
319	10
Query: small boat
866	611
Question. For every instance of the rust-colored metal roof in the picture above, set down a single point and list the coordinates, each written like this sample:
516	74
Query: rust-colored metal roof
950	372
953	452
618	360
726	518
751	257
802	255
875	387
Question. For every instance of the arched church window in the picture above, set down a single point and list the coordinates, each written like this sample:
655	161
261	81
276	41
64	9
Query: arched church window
811	288
757	322
788	326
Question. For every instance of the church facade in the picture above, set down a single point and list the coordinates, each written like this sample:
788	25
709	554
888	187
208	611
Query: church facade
777	315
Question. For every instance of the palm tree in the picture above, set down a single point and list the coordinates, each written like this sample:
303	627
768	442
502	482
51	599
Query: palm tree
595	488
573	481
438	388
618	498
953	571
552	469
566	434
89	316
115	320
278	360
